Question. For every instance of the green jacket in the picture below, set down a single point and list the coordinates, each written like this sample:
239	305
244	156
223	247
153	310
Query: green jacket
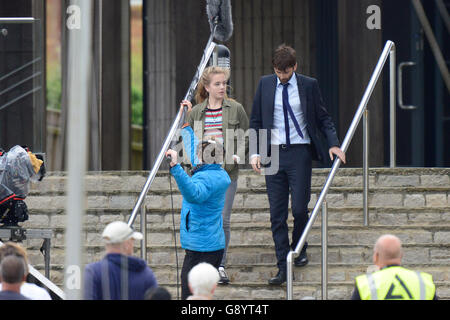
234	130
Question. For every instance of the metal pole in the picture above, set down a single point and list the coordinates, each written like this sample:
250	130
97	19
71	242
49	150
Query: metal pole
144	233
324	251
345	144
145	82
392	108
366	167
433	42
289	276
79	68
444	13
47	257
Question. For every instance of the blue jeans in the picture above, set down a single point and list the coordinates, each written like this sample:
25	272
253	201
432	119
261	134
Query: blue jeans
226	216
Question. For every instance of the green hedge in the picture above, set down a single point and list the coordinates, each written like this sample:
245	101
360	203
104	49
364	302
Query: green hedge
54	98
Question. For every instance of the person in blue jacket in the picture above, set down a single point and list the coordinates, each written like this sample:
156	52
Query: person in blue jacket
119	275
201	225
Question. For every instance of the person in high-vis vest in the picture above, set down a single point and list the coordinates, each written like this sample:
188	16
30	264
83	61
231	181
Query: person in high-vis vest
392	281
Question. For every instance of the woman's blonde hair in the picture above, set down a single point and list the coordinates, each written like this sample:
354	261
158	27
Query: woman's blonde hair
201	93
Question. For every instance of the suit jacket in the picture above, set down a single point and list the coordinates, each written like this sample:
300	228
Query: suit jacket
317	117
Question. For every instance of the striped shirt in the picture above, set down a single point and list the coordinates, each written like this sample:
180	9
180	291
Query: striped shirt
213	124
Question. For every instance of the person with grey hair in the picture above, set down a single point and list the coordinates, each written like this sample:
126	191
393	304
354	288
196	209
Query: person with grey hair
119	275
392	281
12	273
203	279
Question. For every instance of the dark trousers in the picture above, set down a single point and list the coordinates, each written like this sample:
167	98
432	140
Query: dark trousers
294	178
191	259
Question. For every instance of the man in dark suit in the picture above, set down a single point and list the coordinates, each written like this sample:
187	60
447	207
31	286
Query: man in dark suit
289	107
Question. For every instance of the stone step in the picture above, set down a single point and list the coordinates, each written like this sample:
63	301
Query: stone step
57	187
260	272
378	216
311	272
253	255
252	263
42	189
133	181
243	287
260	233
256	255
336	291
254	278
336	198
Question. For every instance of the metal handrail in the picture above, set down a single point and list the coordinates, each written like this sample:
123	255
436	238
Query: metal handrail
444	13
437	53
20	97
20	68
175	126
389	51
20	82
18	20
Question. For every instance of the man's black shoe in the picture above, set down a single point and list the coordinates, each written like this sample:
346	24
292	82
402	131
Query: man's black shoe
301	260
279	279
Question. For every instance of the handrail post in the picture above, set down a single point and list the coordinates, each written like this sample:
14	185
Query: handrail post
366	167
392	107
324	251
289	275
144	233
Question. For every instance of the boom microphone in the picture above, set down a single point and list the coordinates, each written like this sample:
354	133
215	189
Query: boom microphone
219	17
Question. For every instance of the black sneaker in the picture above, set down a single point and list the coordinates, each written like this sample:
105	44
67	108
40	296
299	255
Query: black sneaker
223	276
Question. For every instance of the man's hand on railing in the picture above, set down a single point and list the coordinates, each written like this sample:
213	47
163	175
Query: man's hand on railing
255	161
337	151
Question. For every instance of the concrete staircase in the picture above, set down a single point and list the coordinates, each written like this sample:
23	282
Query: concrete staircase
412	203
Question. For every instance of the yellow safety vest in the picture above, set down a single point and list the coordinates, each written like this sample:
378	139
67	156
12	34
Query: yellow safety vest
396	283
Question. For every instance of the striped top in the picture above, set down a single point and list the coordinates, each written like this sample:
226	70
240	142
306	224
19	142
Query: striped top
213	124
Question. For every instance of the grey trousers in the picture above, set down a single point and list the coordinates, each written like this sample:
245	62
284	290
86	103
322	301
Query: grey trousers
226	216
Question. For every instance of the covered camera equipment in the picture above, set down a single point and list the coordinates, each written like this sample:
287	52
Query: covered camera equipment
18	167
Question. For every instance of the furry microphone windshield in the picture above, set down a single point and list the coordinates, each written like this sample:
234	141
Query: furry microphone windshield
220	9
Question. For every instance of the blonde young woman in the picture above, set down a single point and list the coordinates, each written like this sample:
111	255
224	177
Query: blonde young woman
218	116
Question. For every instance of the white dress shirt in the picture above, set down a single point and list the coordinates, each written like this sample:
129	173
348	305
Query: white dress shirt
279	134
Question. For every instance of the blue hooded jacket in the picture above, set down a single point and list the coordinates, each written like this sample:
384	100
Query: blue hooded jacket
201	226
117	268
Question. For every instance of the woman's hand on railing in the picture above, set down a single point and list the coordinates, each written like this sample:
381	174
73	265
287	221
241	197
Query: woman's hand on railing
337	151
186	103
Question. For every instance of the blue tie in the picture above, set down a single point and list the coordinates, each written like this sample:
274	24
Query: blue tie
287	109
